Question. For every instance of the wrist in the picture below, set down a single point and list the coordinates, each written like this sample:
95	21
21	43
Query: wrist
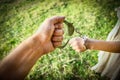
88	43
36	44
86	40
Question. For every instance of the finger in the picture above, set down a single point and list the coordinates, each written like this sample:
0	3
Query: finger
57	44
58	32
78	50
59	25
78	40
57	19
57	38
72	40
73	44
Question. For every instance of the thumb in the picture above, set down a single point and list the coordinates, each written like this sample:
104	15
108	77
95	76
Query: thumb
57	19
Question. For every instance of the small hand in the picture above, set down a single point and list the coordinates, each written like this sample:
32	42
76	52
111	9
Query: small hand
50	33
77	44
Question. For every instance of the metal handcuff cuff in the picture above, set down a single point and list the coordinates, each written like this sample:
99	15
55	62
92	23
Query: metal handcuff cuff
71	29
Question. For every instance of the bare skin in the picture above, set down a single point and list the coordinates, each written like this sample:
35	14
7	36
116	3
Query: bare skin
80	45
20	61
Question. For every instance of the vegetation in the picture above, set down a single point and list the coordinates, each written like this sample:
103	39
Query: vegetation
21	18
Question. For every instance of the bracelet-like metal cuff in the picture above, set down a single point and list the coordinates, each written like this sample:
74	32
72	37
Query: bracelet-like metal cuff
85	38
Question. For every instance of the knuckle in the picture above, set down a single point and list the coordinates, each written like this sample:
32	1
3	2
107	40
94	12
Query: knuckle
78	51
77	43
62	31
76	39
53	38
48	19
62	38
58	32
77	47
57	43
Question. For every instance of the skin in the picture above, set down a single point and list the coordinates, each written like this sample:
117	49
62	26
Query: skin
80	45
19	62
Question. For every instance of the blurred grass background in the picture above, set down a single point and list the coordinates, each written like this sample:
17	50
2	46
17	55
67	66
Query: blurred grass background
21	18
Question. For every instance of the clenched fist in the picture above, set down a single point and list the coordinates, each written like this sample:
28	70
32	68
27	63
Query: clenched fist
50	33
77	44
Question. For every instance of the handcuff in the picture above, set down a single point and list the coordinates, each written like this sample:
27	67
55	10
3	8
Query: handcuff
71	29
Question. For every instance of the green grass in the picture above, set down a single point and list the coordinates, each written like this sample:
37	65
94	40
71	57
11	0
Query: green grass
21	18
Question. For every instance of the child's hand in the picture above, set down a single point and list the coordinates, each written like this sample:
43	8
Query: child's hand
77	44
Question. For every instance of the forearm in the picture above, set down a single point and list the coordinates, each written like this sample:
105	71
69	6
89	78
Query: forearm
19	62
109	46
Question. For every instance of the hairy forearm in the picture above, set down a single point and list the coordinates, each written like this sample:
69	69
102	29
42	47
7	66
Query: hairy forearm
109	46
19	62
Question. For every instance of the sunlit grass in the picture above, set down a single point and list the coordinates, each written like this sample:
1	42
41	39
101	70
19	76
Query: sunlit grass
93	18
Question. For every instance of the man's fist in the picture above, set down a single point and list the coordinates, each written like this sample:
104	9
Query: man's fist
50	33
